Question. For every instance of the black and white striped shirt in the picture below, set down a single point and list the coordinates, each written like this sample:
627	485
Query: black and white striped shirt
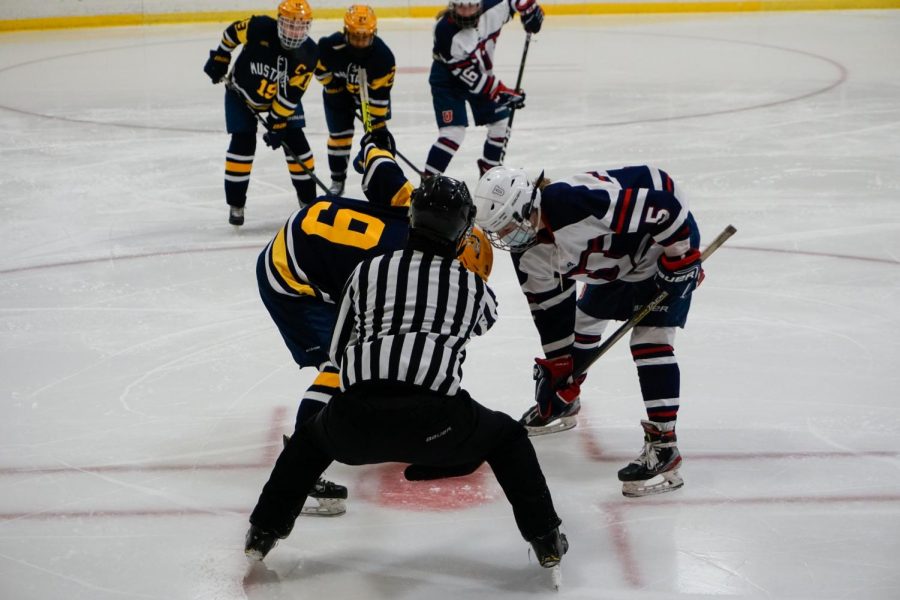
407	317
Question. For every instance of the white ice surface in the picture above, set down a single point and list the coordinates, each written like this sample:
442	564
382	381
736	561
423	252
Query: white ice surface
143	388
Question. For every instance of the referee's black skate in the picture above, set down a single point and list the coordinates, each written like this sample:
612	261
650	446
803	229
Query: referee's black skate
655	471
330	496
550	548
259	542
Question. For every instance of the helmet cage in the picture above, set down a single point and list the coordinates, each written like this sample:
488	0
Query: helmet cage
294	18
508	205
470	19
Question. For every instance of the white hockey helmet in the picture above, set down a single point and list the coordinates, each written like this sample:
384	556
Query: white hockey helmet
507	205
465	12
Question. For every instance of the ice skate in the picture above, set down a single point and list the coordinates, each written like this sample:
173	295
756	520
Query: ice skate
236	215
337	187
549	550
561	421
330	496
655	471
259	542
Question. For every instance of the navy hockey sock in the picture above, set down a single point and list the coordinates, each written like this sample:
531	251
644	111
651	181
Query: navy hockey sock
660	380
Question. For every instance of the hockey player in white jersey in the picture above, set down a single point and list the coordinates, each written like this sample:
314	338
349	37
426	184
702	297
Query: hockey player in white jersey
626	234
465	36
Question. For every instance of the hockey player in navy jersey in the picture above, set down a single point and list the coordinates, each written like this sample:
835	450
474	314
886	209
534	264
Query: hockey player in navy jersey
302	271
341	56
270	74
625	234
465	36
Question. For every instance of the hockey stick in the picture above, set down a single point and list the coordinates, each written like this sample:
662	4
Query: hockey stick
233	89
366	116
512	111
602	349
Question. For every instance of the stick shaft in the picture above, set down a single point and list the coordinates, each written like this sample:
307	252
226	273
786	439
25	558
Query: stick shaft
231	87
648	308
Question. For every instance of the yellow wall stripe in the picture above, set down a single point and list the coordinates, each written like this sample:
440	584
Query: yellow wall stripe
430	12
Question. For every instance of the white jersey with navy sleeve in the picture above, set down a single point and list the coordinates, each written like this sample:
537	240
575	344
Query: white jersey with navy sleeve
468	53
599	227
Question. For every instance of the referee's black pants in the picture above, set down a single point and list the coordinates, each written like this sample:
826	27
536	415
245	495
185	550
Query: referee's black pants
375	423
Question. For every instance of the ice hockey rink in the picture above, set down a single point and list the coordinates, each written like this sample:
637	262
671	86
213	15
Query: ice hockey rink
144	390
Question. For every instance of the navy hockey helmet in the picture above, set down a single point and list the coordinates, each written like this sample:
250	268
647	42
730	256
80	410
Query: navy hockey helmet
442	210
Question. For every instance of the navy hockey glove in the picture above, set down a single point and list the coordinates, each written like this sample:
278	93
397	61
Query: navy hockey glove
505	96
679	276
217	65
555	386
377	138
275	134
532	15
382	138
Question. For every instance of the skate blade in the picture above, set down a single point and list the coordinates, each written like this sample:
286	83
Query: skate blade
662	483
326	507
563	424
556	577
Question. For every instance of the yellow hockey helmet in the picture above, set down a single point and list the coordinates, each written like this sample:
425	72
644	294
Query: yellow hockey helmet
477	255
294	17
360	26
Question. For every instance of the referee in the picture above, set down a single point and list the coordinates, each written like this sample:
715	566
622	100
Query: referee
404	321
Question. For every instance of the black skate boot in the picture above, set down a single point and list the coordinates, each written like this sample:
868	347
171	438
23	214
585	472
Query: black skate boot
260	542
329	495
556	422
236	215
550	547
656	469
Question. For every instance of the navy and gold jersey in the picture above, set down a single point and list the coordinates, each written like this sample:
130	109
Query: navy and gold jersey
263	63
321	244
338	70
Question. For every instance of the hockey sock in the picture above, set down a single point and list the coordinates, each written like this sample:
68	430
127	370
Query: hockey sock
339	147
660	380
440	155
238	164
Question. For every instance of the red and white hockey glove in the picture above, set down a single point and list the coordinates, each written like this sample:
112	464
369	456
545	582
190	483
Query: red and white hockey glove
505	96
679	276
555	387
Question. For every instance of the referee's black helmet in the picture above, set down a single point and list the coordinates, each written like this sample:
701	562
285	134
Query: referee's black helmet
442	209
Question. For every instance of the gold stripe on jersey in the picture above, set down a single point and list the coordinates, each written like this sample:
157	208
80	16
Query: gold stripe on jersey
328	379
280	261
386	81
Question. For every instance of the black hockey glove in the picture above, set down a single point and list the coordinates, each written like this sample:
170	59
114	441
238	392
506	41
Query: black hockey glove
532	15
382	138
379	138
275	134
679	276
217	65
